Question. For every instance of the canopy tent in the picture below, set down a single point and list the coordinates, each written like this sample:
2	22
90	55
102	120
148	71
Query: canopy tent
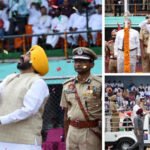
60	70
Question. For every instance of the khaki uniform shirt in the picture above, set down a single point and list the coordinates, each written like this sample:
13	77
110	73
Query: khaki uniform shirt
144	36
90	96
113	108
110	47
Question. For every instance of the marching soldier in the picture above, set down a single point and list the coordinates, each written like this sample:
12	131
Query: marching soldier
114	113
112	67
81	98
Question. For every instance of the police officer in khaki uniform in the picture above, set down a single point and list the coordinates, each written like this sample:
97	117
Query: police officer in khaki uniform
109	48
81	98
144	37
114	114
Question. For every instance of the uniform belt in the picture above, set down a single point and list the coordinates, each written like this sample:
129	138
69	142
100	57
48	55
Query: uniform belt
84	124
112	57
130	49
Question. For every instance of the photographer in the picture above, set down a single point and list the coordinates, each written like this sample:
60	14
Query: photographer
17	17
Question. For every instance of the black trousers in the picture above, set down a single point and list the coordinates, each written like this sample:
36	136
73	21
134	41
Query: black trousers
117	9
20	22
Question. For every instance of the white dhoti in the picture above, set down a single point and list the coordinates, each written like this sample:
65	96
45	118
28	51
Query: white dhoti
120	61
94	37
36	30
53	39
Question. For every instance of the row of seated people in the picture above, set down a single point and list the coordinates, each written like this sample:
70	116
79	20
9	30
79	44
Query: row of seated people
131	87
126	98
54	19
117	6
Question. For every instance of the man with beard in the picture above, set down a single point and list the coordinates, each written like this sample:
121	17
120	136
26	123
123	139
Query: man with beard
109	48
81	98
22	98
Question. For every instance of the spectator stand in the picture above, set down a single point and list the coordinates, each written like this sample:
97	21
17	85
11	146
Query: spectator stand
135	8
24	42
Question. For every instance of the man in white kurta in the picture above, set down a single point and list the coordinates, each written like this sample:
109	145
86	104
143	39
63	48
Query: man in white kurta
22	99
77	22
134	46
4	17
59	24
34	14
95	23
42	26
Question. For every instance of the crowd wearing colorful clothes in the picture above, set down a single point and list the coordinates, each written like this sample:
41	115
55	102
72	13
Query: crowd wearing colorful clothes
127	96
50	17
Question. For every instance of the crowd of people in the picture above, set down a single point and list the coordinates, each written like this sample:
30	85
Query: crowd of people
117	6
50	17
126	97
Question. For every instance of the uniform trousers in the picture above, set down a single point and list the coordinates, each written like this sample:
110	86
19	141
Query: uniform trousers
146	63
115	123
120	61
139	143
82	139
112	68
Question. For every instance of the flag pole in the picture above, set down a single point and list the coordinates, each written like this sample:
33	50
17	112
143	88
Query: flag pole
126	40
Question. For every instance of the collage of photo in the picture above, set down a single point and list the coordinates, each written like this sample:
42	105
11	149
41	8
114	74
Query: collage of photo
126	81
74	75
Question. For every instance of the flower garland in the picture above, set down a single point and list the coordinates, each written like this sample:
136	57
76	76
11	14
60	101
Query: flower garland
126	51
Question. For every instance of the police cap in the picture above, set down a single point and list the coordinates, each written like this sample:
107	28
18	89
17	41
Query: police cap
84	53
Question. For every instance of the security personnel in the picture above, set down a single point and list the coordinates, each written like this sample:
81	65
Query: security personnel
112	67
81	98
114	113
144	37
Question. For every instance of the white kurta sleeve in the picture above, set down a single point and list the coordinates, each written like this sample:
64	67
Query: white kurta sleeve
31	103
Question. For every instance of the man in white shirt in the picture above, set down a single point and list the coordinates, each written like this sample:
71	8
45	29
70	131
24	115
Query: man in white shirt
136	107
134	46
95	23
34	14
59	24
77	22
42	26
22	99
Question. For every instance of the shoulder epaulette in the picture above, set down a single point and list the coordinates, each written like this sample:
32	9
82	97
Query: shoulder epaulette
71	79
99	79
